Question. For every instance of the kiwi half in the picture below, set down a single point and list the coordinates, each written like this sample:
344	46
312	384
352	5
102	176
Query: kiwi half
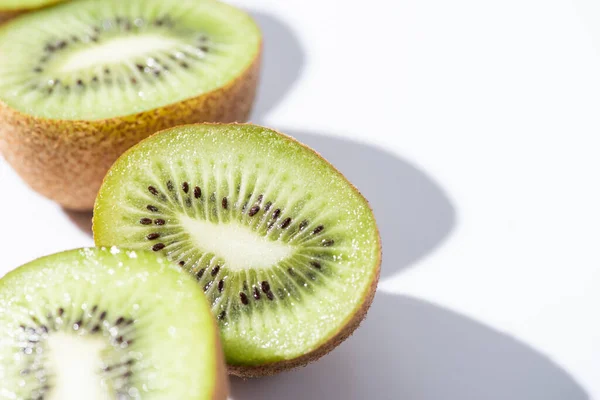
88	79
107	324
285	248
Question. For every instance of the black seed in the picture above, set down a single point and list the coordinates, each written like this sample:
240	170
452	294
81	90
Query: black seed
153	236
119	321
185	187
159	22
37	69
315	264
95	79
158	247
222	315
244	298
221	285
61	45
139	67
204	49
268	206
224	203
107	71
94	309
276	213
127	374
253	210
286	222
197	192
50	91
181	263
170	185
200	273
97	29
133	81
215	270
159	221
94	39
129	322
270	295
327	243
318	230
96	329
184	64
79	82
145	221
61	311
74	39
44	328
265	286
153	190
259	199
291	272
152	208
103	315
119	339
49	47
256	293
78	323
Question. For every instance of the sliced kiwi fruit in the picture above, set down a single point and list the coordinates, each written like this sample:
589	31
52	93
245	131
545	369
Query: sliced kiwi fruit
107	324
285	248
86	80
11	8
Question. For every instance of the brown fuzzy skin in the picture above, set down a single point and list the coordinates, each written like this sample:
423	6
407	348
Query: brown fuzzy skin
66	160
222	385
8	15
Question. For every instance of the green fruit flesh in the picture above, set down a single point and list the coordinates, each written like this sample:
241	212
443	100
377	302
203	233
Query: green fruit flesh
17	5
105	324
284	247
102	59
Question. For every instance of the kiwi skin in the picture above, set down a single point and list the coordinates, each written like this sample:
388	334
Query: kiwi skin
6	15
66	160
249	371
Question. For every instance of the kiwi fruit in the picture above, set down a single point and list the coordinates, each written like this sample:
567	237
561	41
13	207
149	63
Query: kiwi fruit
12	8
286	250
88	79
107	324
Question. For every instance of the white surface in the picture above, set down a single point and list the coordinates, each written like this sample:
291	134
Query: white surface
480	154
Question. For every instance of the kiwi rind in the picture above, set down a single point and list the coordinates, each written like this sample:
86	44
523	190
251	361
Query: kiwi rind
6	15
336	338
16	281
66	160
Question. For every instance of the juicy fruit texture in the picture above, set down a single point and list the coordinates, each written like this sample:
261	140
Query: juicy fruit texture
87	80
285	248
106	324
102	59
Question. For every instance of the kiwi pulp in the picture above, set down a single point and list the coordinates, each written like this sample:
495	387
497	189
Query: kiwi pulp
12	8
64	336
88	79
285	248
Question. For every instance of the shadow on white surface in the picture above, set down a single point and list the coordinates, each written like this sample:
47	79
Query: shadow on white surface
410	349
414	215
81	219
407	348
282	63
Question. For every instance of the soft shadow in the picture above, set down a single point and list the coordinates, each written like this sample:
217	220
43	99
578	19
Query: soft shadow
410	349
413	213
81	219
282	63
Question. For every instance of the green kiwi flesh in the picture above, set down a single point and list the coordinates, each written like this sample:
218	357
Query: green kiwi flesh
94	60
285	248
106	324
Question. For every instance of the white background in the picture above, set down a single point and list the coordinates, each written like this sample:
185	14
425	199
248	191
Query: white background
472	127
